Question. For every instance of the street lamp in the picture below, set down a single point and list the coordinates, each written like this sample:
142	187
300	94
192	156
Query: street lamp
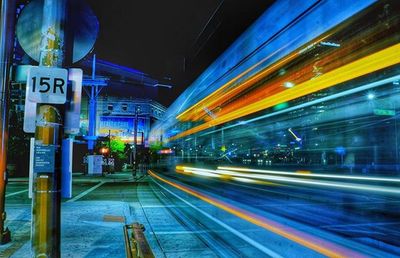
104	150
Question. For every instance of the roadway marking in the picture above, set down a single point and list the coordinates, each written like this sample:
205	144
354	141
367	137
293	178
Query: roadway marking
257	245
79	196
19	192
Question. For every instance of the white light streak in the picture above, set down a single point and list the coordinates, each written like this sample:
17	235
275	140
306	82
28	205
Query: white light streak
331	176
245	177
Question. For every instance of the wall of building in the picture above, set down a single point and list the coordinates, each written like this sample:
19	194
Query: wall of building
117	115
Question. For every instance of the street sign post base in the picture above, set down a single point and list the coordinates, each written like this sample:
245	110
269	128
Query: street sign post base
5	237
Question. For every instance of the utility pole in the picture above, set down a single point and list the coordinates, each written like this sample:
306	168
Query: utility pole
7	22
46	201
94	91
109	152
135	129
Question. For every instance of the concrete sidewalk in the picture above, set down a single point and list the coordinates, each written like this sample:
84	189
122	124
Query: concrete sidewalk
94	228
88	229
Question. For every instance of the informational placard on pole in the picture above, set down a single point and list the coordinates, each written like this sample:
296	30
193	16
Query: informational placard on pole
43	161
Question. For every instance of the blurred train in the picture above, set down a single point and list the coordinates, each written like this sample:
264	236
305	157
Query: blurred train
310	85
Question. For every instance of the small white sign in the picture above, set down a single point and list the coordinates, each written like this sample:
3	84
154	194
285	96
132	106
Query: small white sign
47	85
73	110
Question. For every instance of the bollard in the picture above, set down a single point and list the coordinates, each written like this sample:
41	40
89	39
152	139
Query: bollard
46	184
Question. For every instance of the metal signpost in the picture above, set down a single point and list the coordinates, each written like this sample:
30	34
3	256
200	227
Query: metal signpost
47	84
46	199
48	87
7	17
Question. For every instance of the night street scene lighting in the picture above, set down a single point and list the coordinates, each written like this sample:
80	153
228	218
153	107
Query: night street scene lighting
206	128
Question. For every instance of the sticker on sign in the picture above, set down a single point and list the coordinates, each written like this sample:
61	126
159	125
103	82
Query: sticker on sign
47	85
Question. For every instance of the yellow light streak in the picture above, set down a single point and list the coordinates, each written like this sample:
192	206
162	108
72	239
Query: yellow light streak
224	92
213	97
371	63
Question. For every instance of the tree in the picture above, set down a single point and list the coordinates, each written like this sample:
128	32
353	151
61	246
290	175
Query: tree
117	147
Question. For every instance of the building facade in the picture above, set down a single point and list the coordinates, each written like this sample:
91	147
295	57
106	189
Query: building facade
118	116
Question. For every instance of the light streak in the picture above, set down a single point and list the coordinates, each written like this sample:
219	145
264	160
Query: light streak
269	88
221	173
216	95
201	172
371	63
294	135
313	102
349	186
210	113
229	90
331	44
244	180
212	173
317	244
196	171
235	232
366	178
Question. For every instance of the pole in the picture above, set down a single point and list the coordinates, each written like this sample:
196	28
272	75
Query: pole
109	152
46	188
92	109
7	21
135	139
109	140
46	199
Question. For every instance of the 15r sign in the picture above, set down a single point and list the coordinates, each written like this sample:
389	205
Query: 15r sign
47	85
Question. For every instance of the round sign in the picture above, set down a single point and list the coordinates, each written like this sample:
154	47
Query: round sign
81	21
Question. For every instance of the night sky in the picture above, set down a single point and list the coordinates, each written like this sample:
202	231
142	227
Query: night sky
169	40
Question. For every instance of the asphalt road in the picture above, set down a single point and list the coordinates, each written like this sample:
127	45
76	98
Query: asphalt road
368	218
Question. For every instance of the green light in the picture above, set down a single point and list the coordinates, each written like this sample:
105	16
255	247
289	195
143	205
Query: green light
280	106
384	112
